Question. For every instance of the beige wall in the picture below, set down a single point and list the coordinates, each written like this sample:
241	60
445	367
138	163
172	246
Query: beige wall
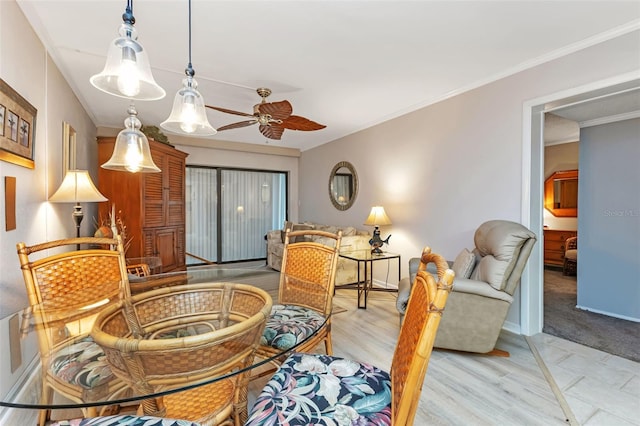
560	157
26	67
443	170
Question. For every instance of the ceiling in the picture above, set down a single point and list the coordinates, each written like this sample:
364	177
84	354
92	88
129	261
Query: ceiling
346	64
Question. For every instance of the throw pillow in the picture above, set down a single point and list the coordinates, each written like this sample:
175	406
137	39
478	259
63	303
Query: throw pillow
287	225
464	264
300	227
348	231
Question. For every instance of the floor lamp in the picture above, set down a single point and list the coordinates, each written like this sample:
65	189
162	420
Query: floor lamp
77	187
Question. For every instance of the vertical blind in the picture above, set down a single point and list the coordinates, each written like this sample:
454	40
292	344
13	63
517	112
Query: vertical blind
250	204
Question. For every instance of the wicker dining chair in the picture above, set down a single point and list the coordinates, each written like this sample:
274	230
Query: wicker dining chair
139	269
66	290
570	264
317	389
175	337
305	295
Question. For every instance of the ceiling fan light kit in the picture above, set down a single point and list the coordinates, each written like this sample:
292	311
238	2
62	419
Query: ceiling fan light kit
188	115
127	73
131	152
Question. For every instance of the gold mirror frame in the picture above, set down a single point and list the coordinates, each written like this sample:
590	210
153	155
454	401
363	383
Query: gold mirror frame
550	195
341	202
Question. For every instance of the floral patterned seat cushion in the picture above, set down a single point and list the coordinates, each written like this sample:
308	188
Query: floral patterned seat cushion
324	390
82	364
130	420
289	325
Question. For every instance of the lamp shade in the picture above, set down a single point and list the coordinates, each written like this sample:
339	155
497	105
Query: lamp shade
77	187
189	115
377	217
127	72
131	152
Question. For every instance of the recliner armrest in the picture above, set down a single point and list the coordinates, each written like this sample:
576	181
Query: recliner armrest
480	288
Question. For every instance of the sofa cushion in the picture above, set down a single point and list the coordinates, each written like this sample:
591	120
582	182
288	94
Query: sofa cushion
301	227
348	231
464	264
295	227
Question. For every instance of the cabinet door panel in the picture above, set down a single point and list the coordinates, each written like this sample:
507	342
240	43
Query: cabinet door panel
167	247
153	199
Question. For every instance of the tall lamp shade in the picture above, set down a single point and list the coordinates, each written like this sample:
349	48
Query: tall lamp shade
77	187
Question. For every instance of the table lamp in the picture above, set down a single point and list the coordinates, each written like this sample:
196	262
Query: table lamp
377	218
77	187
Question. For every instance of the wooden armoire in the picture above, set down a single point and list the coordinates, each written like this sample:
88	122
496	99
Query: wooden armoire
151	205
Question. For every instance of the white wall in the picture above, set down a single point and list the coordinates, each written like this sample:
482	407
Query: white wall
27	68
443	170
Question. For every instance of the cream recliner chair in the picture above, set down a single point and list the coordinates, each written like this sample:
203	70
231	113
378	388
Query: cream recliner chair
482	289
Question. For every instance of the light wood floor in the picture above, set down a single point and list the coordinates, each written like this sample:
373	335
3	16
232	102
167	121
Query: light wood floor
464	389
594	387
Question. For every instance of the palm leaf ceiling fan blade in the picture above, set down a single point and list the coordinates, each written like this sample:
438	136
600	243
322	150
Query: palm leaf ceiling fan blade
277	110
272	131
238	125
273	117
295	122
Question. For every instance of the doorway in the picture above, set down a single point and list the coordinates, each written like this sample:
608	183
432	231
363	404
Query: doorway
578	100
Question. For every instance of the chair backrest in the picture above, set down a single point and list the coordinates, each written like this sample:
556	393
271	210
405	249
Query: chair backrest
415	343
571	243
308	273
502	250
427	257
72	285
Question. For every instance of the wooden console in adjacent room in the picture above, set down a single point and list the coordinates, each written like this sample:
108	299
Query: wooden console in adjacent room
554	246
151	205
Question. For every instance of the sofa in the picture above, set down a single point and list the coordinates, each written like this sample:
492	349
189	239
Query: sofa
352	239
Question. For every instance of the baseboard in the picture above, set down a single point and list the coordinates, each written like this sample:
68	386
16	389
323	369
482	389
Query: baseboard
29	383
609	314
383	284
511	327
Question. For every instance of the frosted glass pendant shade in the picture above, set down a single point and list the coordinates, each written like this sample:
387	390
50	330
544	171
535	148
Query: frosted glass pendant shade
127	73
131	152
188	115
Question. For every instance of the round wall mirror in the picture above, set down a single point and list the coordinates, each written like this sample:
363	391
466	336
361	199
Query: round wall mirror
343	185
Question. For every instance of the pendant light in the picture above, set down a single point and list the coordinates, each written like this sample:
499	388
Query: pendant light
127	73
188	115
131	152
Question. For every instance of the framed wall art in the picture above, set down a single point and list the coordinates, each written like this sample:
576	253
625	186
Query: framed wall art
68	148
17	128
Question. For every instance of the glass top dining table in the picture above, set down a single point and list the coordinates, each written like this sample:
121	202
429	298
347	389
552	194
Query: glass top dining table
27	393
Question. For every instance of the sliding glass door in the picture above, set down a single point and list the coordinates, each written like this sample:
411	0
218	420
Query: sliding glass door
229	211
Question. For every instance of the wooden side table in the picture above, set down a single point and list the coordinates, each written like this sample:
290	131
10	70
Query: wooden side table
364	284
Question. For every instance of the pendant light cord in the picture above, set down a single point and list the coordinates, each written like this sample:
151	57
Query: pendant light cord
190	71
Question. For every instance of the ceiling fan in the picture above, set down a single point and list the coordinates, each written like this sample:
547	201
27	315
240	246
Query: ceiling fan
273	117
